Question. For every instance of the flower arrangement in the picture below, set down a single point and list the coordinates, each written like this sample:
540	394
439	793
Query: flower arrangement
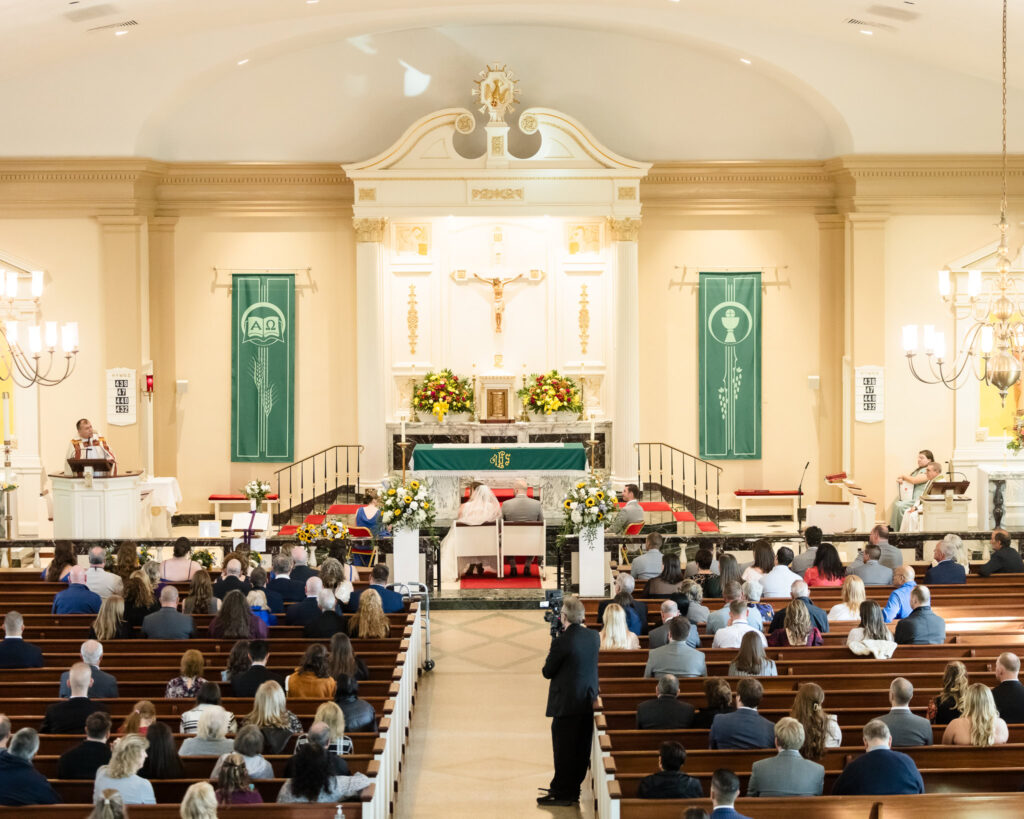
204	557
145	555
8	486
550	393
406	506
1016	442
442	392
256	490
315	533
590	504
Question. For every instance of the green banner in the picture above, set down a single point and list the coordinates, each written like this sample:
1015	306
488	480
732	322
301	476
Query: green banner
263	367
729	315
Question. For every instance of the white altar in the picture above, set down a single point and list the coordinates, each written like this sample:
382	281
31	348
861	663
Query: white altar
474	258
103	507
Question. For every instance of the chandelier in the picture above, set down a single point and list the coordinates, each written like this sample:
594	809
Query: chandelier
33	357
993	344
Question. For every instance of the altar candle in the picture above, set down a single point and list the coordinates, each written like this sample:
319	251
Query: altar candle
593	424
403	428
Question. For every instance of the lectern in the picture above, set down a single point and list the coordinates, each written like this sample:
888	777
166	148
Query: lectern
96	506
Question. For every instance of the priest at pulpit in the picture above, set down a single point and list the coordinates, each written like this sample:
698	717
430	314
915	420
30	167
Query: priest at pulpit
89	445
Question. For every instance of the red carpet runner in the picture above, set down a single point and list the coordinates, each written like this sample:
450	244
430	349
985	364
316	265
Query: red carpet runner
491	581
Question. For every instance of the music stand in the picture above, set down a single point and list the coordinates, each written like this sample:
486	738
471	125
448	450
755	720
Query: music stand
942	487
79	465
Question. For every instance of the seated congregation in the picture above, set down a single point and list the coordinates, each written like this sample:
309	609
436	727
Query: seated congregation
280	690
799	676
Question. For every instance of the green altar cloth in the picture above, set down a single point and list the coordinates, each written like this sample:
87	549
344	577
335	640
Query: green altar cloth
499	457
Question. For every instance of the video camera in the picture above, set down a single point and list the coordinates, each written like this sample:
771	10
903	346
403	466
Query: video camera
553	603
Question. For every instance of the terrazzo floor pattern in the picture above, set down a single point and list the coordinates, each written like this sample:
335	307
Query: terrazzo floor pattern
479	744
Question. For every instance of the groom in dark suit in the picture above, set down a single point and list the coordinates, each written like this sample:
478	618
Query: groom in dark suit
572	668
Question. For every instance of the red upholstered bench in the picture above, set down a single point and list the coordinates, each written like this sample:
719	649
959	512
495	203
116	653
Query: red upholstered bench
502	493
748	495
652	506
344	508
219	500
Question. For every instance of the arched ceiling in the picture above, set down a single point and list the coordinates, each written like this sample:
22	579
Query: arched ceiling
654	79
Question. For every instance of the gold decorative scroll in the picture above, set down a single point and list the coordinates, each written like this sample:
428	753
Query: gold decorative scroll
497	145
584	319
497	194
627	194
624	230
367	194
369	230
412	318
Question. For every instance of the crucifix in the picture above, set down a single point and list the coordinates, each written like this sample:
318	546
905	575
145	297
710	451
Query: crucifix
498	284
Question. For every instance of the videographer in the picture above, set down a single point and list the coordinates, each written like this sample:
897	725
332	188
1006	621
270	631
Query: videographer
572	668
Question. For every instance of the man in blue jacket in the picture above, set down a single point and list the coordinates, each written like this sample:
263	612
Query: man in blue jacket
20	783
76	598
946	570
898	606
880	771
390	600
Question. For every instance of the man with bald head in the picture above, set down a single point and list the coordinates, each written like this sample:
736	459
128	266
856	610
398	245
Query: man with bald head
1009	694
800	591
168	623
104	686
14	651
300	565
69	716
922	626
898	606
231	579
522	509
304	613
907	729
76	598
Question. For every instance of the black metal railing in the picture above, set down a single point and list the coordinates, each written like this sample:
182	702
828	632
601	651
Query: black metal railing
683	480
311	485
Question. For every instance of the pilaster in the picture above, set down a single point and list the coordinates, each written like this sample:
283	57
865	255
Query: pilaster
370	371
625	386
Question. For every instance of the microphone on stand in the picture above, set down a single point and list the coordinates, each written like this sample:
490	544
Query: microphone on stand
800	496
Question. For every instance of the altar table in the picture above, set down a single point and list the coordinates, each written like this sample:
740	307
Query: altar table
463	458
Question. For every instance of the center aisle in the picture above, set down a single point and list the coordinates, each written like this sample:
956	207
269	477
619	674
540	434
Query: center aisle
480	744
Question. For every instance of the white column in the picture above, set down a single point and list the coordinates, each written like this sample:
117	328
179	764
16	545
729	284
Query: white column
370	347
625	376
30	518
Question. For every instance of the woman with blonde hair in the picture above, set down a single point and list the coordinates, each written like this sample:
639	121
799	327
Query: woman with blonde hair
331	715
853	595
311	680
199	802
188	683
949	704
110	623
798	629
257	600
201	599
337	577
121	773
980	725
615	634
270	715
820	728
138	721
369	621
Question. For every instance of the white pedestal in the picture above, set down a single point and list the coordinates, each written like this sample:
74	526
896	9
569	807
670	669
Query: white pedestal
941	515
835	518
592	563
406	567
108	509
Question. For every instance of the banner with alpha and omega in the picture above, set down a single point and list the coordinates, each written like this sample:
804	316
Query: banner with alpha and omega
263	367
729	318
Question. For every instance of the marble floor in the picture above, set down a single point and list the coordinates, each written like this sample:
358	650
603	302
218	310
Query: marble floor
480	744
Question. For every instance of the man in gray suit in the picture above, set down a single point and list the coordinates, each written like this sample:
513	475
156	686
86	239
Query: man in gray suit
522	509
890	557
870	570
104	685
659	636
676	657
648	565
632	512
906	727
787	773
922	627
168	623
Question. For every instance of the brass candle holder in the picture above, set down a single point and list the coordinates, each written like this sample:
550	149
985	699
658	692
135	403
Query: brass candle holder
591	446
405	451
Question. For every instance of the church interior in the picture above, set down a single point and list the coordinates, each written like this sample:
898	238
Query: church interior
644	301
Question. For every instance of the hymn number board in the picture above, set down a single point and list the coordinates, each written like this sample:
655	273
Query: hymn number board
122	397
869	401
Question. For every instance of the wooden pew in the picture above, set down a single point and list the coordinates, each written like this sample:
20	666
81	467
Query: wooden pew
79	791
200	767
56	744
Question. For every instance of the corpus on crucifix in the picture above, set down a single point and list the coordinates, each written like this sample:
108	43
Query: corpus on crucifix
499	295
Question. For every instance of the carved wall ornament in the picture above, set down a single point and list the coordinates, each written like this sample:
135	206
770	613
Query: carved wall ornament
584	239
497	145
497	194
528	123
465	124
367	194
624	230
584	319
627	194
412	240
496	90
369	230
412	318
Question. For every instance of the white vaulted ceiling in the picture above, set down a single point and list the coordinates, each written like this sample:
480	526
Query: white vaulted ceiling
654	79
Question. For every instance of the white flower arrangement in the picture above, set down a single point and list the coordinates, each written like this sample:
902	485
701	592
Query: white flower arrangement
256	490
406	506
592	503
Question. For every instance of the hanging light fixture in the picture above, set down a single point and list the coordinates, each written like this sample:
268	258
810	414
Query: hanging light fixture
994	343
34	354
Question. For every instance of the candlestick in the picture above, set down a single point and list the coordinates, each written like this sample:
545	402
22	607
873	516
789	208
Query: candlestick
403	428
405	448
593	424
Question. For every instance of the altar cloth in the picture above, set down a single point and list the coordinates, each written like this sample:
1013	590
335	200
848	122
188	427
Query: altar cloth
499	458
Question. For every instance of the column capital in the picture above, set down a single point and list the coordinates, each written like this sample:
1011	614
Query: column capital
830	220
624	230
163	223
369	230
120	223
869	220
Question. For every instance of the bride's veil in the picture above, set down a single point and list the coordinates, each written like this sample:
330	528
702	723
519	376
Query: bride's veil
482	507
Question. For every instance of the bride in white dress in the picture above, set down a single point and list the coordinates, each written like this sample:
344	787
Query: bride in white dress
482	507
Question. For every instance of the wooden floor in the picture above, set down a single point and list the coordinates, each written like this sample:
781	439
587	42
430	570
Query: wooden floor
480	744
